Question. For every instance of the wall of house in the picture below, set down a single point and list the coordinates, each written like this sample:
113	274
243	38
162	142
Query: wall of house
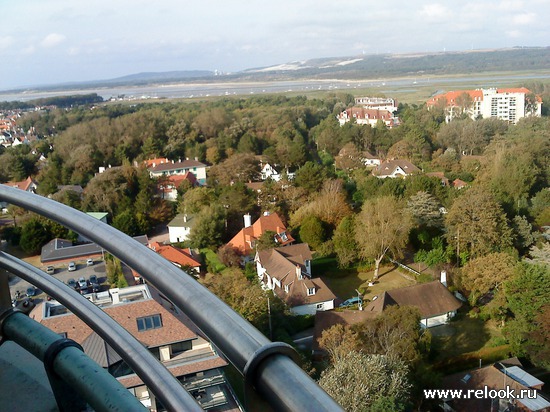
437	320
178	234
312	308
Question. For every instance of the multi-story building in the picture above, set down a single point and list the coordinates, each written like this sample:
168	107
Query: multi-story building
509	104
159	325
381	103
363	115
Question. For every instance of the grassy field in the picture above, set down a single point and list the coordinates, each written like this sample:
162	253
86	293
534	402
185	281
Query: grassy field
465	340
344	282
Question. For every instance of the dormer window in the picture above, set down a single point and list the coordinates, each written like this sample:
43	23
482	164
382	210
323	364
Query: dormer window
286	288
149	322
284	236
310	291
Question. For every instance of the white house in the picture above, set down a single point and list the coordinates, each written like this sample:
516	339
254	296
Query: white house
179	228
395	168
382	103
165	167
287	271
269	172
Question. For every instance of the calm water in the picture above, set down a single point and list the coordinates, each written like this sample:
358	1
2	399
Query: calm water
194	90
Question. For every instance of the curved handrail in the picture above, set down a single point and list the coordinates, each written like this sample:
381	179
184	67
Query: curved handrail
277	377
155	375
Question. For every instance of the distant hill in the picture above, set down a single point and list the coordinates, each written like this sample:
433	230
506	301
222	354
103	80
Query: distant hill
397	65
384	66
154	77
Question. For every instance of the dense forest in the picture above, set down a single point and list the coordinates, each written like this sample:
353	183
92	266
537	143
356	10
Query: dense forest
491	236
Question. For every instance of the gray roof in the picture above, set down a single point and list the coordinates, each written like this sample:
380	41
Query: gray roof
62	249
185	164
179	221
100	351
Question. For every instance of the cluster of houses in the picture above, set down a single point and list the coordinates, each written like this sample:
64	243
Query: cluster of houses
284	269
11	134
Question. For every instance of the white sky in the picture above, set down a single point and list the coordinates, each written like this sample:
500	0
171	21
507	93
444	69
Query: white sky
54	41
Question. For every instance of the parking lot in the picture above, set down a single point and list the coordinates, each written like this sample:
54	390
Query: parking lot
61	273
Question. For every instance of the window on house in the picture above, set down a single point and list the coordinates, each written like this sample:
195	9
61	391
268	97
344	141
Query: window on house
284	236
310	291
319	306
149	322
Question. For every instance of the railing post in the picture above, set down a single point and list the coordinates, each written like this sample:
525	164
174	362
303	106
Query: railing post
5	297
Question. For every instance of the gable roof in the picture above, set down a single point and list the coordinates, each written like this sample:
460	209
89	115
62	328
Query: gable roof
389	167
62	249
298	291
181	257
26	185
432	299
176	180
246	238
171	165
182	220
126	314
495	377
282	264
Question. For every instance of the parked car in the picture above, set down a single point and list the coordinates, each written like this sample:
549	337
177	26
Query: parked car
351	301
90	262
50	270
93	284
71	267
31	291
82	283
72	283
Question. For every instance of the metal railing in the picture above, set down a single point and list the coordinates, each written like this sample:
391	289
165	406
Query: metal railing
267	367
74	377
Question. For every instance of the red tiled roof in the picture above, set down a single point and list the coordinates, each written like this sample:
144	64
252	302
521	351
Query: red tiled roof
125	314
250	234
364	113
176	180
23	185
175	255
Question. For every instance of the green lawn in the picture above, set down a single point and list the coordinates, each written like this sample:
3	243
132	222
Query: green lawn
464	341
343	282
212	260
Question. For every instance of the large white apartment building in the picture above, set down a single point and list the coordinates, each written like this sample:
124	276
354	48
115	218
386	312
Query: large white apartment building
506	104
381	103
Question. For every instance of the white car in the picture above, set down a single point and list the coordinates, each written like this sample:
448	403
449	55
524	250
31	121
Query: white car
89	262
71	267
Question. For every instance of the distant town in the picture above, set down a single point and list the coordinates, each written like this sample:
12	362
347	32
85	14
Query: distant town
399	247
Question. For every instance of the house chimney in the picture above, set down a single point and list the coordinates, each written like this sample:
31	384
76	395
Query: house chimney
443	278
298	271
185	218
196	159
114	295
247	220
